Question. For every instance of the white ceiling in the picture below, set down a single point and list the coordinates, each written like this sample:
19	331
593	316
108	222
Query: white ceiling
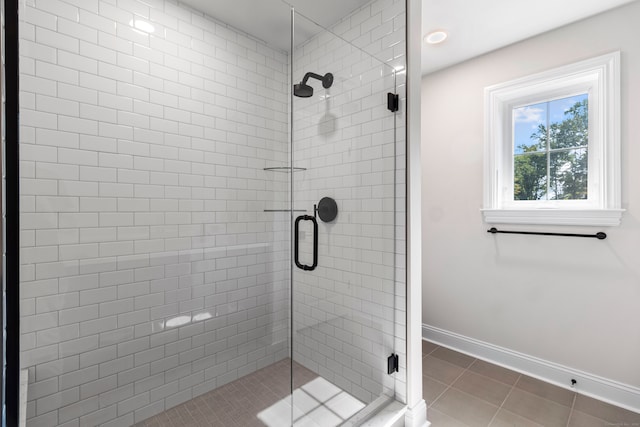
269	20
475	27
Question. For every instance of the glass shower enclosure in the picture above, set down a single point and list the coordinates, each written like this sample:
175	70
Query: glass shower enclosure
212	225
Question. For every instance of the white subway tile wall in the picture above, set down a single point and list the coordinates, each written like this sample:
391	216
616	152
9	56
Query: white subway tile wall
150	271
349	313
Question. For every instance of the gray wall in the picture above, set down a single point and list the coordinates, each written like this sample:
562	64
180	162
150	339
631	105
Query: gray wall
569	301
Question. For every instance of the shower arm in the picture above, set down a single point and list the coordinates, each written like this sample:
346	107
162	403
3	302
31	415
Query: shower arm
310	74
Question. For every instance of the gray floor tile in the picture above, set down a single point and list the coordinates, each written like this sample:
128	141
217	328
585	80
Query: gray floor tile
580	419
465	408
431	389
440	370
546	390
428	347
537	409
506	418
494	372
605	411
453	357
482	387
439	419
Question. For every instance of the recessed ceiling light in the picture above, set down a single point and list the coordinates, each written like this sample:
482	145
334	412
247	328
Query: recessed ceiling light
435	37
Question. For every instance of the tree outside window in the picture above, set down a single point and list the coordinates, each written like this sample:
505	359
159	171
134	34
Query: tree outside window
550	142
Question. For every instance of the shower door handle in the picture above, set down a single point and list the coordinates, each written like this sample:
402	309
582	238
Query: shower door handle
315	242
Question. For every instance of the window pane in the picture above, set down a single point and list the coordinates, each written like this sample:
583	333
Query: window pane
568	171
530	177
529	128
569	122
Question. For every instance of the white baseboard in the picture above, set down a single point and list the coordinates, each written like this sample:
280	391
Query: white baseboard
600	388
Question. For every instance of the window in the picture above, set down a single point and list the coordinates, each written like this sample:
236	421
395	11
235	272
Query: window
551	149
552	152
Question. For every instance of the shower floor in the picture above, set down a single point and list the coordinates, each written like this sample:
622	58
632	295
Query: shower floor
262	399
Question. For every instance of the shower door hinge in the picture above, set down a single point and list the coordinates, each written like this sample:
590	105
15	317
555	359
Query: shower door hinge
392	364
392	102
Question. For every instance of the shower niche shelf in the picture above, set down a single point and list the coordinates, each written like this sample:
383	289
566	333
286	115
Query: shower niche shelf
284	169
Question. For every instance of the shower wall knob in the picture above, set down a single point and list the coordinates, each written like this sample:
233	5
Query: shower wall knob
327	209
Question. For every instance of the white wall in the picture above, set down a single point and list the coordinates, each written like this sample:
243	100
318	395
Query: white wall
566	300
150	271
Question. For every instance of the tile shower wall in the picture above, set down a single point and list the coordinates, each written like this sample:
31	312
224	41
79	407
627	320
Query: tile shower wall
150	273
349	313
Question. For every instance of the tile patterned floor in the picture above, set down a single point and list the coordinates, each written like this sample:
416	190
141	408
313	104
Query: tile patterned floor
235	404
318	403
462	391
262	399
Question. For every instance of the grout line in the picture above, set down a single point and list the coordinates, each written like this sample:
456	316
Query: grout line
513	387
573	404
439	396
450	385
505	399
426	354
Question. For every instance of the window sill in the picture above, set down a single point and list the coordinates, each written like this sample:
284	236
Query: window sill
591	217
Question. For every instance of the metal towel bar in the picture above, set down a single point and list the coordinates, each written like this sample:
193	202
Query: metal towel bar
599	235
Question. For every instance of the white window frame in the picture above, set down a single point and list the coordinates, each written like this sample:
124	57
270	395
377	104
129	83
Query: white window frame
599	77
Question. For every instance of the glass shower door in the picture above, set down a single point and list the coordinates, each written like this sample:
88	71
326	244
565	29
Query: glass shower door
343	155
154	236
172	255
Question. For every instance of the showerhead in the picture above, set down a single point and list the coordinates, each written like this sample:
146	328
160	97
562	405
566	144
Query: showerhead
303	90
